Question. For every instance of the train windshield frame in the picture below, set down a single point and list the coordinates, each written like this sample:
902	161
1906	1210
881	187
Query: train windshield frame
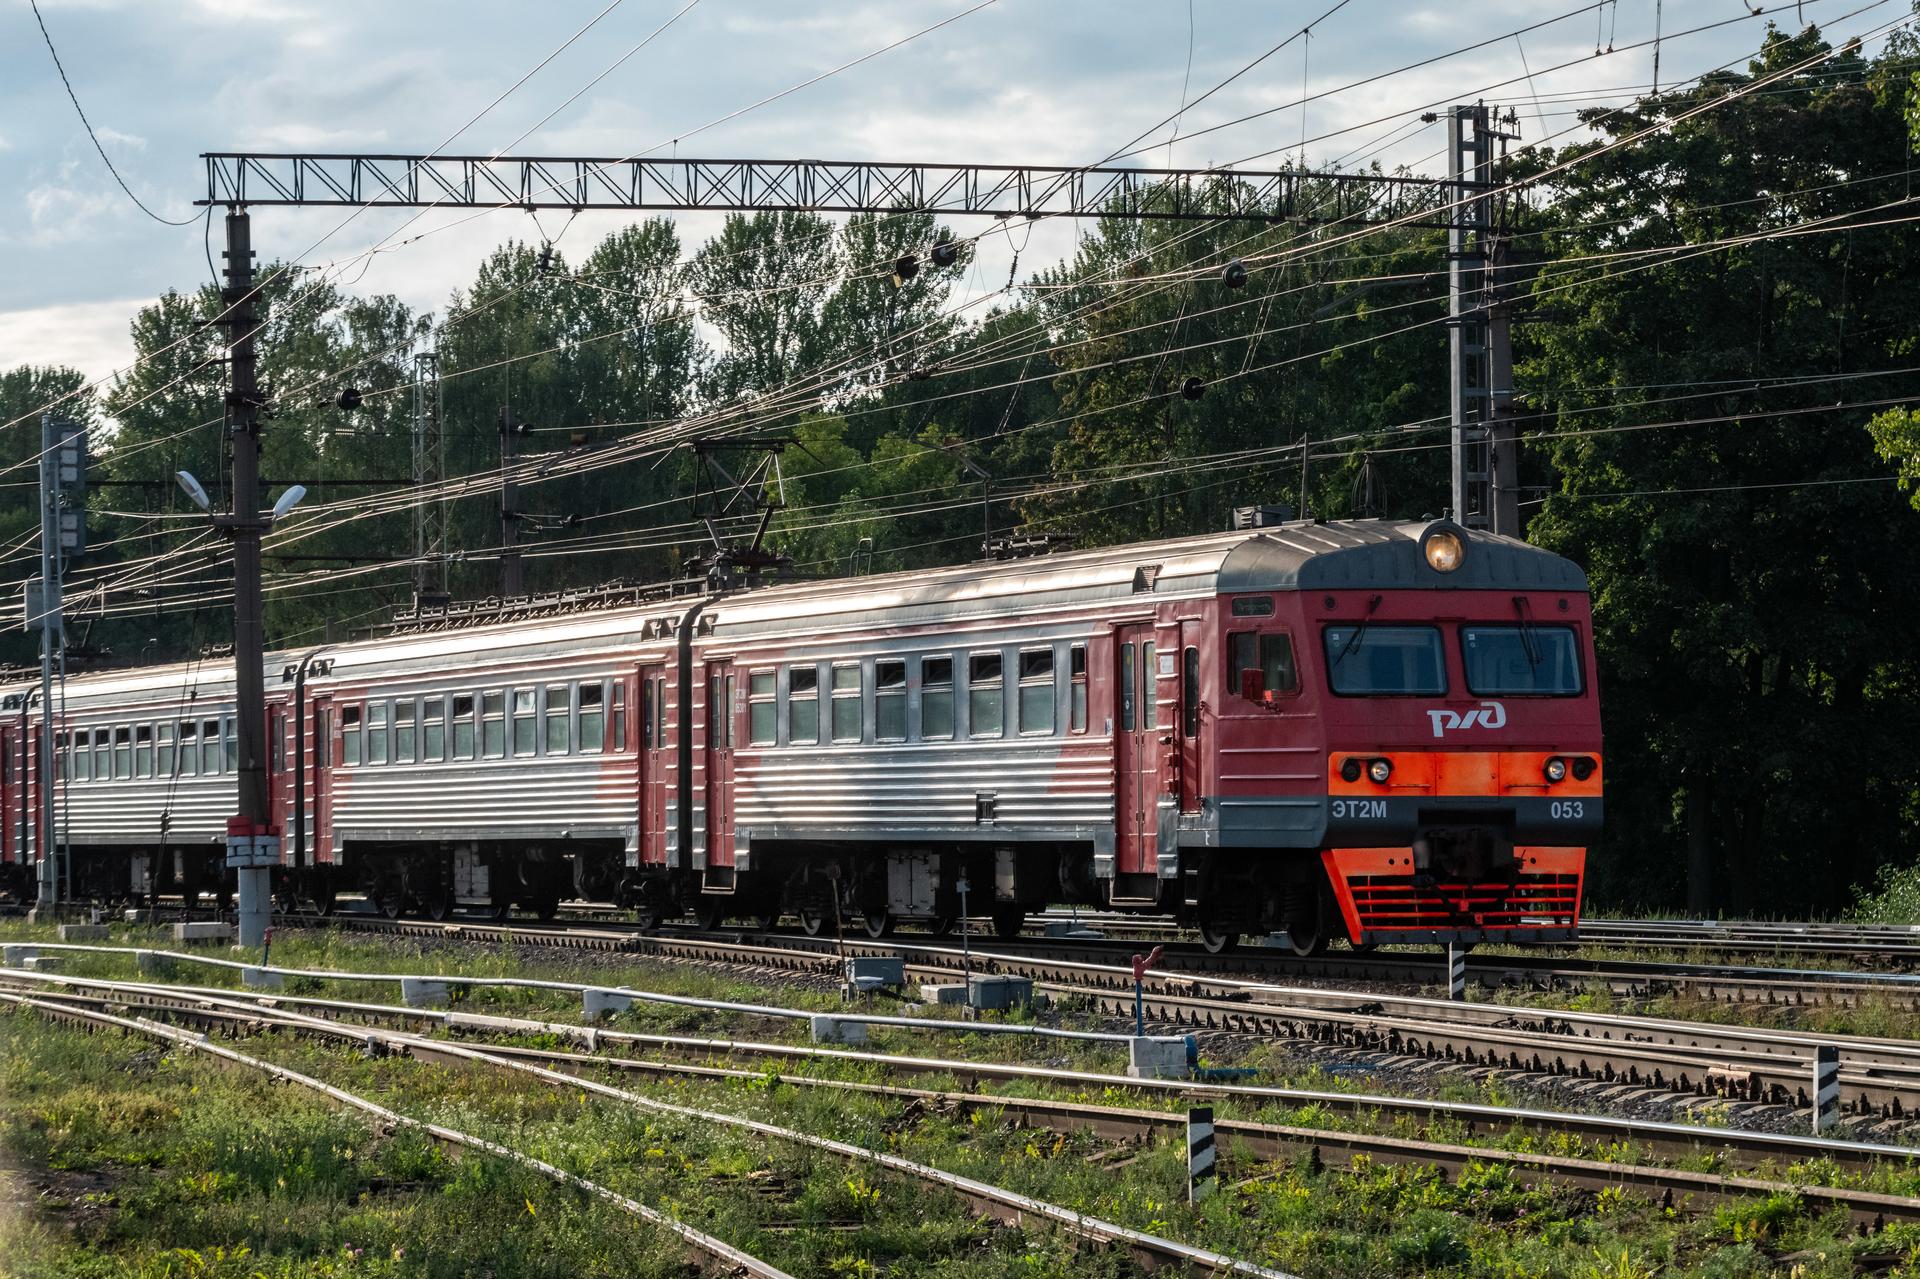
1514	660
1364	660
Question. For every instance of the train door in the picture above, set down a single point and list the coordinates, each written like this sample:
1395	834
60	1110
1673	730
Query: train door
280	777
720	720
1136	750
1187	724
319	763
9	835
653	766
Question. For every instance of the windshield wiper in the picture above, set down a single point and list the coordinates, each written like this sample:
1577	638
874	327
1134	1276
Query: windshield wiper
1354	640
1525	612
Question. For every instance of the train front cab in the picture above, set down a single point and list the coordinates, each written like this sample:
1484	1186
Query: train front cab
1430	737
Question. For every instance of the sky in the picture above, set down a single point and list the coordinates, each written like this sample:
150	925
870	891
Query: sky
1036	81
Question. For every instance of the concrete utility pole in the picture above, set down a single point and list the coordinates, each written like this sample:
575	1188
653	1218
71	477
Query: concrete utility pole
47	868
1503	431
1470	168
251	846
510	581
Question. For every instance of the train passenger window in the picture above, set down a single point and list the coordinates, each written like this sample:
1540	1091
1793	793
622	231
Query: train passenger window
762	710
79	757
986	695
463	739
593	716
350	735
102	763
619	714
559	727
143	751
404	739
803	705
1517	661
433	730
1270	655
525	722
660	712
163	765
209	747
493	724
1190	694
1036	691
322	739
122	754
232	744
1077	688
846	703
189	748
276	742
890	700
1368	660
936	698
1149	687
726	711
1127	687
648	741
376	732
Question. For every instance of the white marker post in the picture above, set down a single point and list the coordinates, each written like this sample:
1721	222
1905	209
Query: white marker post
1826	1087
1202	1174
1456	972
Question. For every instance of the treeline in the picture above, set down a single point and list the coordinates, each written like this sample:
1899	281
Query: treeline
1714	320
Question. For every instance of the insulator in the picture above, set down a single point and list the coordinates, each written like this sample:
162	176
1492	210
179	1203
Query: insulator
1192	389
348	399
1234	275
946	253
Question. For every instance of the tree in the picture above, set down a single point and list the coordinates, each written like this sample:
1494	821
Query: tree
761	283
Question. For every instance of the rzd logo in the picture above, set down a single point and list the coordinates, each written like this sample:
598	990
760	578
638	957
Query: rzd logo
1485	715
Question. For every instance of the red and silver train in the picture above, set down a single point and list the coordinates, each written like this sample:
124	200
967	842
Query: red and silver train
1382	731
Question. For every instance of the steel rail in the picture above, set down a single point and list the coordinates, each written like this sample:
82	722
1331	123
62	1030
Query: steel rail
705	1250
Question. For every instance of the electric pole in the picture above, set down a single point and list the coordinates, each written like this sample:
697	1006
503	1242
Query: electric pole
429	476
1503	431
510	583
1470	165
252	846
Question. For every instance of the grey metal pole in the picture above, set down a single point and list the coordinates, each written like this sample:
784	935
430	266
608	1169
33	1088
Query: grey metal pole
510	578
47	868
1504	433
249	637
1469	152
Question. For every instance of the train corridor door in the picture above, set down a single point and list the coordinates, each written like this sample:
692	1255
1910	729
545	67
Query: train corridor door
653	765
1136	750
12	841
720	719
319	764
1188	723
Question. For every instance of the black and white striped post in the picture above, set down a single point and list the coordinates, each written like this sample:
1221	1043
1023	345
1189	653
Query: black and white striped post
1201	1173
1826	1086
1456	972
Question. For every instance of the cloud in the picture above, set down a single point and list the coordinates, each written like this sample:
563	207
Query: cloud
90	336
115	137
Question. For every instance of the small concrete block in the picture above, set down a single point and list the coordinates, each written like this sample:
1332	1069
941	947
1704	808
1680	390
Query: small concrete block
871	972
943	993
17	954
838	1030
41	963
1157	1057
134	915
203	930
422	992
261	979
603	1003
999	993
84	932
152	963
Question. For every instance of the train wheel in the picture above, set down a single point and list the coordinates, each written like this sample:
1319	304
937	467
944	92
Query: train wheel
707	914
941	926
1008	920
813	920
1217	938
322	899
767	920
388	898
438	903
878	923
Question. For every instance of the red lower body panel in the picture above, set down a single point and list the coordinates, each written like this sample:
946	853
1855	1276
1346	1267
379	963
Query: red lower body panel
1382	900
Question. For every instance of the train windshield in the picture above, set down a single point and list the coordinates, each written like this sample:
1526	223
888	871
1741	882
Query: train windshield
1519	660
1368	660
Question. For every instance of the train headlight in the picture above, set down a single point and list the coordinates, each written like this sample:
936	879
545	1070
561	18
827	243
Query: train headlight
1556	769
1444	550
1350	770
1583	767
1380	770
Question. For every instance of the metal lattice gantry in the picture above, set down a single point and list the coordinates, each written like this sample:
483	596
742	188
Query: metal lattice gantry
822	186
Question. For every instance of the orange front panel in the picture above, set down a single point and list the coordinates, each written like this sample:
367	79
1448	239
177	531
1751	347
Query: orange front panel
1379	894
1455	773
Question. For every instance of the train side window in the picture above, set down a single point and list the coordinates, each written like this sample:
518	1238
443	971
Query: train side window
231	742
350	735
846	703
122	754
660	712
276	743
433	730
1271	654
763	710
1128	688
620	714
102	755
463	736
726	712
404	737
493	724
143	751
648	741
164	764
189	748
1036	691
209	747
559	729
1149	686
803	705
526	719
593	716
986	695
1190	694
890	700
936	698
1077	689
80	757
376	732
